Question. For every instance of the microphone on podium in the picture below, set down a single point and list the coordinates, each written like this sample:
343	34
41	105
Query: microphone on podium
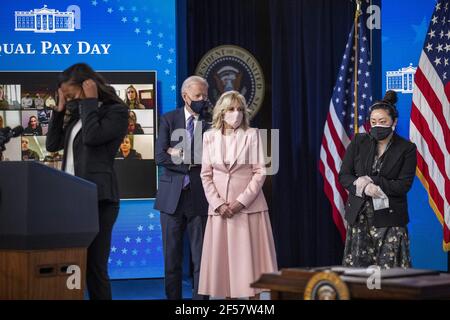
7	133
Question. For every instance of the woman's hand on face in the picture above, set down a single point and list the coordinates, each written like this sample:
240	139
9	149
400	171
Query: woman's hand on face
90	89
61	101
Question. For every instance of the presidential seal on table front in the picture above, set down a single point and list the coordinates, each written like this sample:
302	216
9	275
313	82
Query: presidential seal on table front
326	285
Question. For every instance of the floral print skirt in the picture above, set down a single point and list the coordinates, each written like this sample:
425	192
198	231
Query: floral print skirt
366	245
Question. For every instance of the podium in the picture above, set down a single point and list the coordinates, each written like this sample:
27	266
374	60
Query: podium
47	220
339	283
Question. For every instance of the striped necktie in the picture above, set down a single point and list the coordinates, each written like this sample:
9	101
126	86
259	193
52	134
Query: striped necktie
190	130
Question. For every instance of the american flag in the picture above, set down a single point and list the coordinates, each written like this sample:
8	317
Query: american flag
430	116
339	127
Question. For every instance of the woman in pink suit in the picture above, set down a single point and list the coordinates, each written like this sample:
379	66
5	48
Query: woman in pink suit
238	243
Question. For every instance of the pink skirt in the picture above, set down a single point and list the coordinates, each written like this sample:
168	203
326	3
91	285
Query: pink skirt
235	253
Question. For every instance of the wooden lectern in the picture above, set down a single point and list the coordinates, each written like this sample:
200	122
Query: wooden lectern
47	220
338	283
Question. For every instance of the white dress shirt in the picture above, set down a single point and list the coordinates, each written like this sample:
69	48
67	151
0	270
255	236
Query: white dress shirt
186	117
70	164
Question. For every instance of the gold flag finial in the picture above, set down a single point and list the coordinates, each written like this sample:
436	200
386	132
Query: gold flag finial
358	7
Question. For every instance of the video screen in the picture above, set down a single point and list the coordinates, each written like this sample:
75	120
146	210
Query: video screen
28	99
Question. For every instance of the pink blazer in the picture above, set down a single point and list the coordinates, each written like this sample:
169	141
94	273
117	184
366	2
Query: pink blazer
245	177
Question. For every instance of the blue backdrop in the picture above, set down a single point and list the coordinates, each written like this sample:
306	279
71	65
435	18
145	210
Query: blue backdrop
404	27
142	36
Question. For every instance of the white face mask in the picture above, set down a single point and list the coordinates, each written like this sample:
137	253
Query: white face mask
233	118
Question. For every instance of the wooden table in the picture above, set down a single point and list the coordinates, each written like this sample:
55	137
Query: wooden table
291	283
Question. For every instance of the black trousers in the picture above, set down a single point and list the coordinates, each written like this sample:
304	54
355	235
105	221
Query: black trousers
173	227
97	277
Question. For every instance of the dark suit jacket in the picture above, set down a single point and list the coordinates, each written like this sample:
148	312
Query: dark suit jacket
395	177
30	131
171	180
95	146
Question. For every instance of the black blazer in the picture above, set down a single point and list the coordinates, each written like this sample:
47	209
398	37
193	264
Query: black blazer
171	179
95	146
395	177
30	131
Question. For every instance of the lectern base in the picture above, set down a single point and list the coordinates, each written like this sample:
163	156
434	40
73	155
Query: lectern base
41	274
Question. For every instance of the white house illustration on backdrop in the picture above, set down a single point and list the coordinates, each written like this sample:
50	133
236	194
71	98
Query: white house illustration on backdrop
47	20
401	80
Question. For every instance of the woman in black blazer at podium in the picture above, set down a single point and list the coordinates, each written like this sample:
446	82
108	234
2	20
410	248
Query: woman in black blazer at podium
89	123
378	170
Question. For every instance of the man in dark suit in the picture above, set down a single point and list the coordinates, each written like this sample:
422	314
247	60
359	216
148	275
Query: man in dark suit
180	197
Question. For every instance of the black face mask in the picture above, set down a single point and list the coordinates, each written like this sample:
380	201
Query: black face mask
199	106
73	106
380	133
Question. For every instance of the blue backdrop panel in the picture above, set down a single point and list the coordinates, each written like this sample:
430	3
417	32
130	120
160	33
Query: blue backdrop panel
136	250
404	27
139	35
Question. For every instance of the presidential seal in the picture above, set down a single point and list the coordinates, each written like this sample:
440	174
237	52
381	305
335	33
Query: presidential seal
231	67
326	286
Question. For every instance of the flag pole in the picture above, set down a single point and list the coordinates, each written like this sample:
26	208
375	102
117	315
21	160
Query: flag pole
355	69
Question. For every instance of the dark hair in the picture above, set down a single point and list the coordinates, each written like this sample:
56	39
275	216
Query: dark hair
132	112
137	101
132	119
131	138
37	120
387	104
80	72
